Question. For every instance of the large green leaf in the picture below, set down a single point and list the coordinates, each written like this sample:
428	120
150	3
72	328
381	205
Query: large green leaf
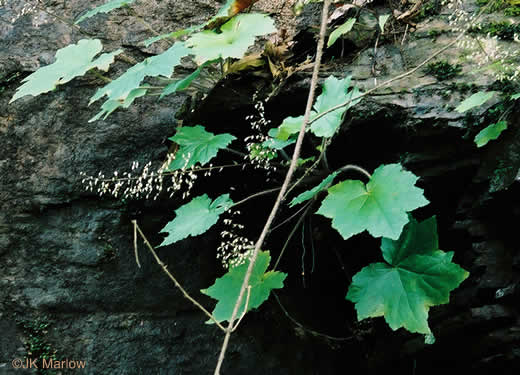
105	8
340	30
160	65
195	217
380	207
515	96
417	275
474	100
71	61
196	145
236	36
335	91
490	133
227	288
309	194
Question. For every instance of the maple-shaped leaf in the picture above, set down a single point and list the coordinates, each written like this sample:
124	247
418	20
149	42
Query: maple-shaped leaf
490	133
235	37
380	206
196	145
309	194
160	65
335	91
71	61
195	217
105	8
416	275
227	288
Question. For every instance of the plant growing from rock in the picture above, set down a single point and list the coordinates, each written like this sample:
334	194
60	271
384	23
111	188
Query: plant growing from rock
415	274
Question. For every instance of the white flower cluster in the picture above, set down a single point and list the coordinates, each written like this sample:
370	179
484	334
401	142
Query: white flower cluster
258	155
234	249
143	184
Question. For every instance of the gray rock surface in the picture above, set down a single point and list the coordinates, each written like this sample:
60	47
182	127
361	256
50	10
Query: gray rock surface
66	255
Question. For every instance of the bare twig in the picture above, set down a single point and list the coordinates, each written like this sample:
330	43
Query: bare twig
311	331
355	168
135	244
302	217
256	195
386	83
179	286
245	308
281	194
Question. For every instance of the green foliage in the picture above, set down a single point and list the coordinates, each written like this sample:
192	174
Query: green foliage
416	275
289	126
235	37
382	21
515	96
380	206
335	91
443	70
175	34
227	288
274	142
503	30
183	83
340	30
105	8
474	100
196	145
195	217
490	133
309	194
160	65
71	62
257	151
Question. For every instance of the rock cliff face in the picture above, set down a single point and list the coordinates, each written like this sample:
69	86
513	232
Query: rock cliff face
70	284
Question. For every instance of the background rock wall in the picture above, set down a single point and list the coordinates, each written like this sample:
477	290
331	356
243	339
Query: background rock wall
66	255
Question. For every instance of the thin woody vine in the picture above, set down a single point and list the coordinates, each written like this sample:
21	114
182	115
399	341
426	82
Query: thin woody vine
413	274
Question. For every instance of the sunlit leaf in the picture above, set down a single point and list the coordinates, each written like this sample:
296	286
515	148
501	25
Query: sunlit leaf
474	100
381	206
105	8
236	36
111	105
382	21
160	65
340	30
335	92
71	61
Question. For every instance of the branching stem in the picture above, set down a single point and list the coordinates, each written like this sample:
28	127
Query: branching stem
165	269
281	194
